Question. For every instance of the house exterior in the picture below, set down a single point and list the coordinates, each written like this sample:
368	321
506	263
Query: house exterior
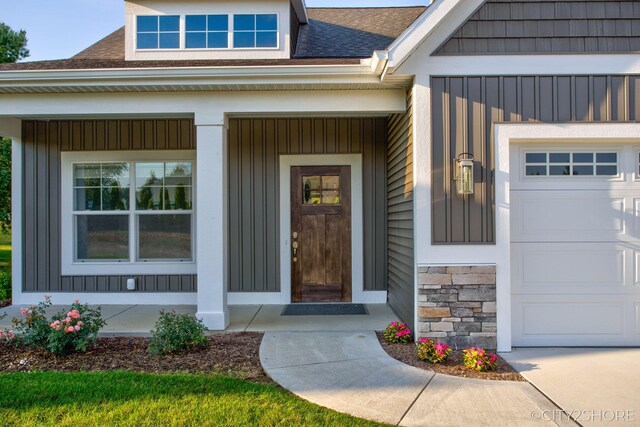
473	163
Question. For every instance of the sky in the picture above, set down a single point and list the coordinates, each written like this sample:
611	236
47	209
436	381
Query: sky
61	28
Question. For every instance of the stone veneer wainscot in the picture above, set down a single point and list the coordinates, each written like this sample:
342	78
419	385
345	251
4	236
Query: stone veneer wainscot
457	305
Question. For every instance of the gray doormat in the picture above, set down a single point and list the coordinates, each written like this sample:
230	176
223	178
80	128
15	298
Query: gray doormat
324	310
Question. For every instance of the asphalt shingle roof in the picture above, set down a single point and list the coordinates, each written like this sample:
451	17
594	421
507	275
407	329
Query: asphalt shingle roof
332	36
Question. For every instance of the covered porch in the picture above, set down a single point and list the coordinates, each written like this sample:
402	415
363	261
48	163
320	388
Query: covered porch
139	320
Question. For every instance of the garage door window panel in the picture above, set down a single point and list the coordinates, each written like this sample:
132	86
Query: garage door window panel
577	164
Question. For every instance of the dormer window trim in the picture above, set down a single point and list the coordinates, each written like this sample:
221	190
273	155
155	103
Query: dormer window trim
231	32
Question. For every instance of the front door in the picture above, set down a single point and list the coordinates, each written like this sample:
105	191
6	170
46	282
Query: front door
321	233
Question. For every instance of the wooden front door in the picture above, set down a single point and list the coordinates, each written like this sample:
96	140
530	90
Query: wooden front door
321	233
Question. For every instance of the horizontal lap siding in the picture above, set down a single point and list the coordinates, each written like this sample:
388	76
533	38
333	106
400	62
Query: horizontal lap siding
464	110
549	26
43	141
400	214
254	195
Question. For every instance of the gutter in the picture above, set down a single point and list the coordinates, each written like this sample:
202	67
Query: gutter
362	73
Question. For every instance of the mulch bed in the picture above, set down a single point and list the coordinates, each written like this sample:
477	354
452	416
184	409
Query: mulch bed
235	355
406	353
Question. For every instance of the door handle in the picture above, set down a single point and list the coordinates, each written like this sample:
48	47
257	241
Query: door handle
294	245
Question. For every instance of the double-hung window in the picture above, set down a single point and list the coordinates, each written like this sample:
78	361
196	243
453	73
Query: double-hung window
131	217
207	31
158	32
255	31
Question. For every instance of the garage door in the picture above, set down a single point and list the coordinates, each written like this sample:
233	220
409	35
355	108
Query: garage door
575	245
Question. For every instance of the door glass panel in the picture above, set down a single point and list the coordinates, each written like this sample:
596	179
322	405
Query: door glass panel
321	190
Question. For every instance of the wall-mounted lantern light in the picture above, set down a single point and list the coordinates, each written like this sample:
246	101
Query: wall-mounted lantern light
464	174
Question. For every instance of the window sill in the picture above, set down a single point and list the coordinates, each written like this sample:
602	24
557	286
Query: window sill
154	268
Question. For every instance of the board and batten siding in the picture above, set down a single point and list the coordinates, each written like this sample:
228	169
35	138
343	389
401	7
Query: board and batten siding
400	215
42	144
548	27
464	110
254	194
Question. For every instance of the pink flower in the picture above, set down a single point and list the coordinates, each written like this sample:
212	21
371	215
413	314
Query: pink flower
394	324
70	329
479	362
23	311
75	301
77	327
423	340
80	323
67	320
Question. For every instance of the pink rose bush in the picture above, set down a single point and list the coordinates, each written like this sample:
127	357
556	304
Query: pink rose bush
397	332
431	351
478	359
70	330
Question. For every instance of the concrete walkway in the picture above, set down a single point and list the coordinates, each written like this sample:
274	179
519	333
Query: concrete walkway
598	386
351	373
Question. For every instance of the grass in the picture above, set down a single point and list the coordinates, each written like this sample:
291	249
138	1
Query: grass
121	398
5	252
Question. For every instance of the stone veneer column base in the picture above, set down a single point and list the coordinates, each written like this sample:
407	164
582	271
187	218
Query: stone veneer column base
457	305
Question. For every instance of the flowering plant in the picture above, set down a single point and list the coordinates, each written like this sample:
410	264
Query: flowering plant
431	351
7	336
397	332
479	359
68	330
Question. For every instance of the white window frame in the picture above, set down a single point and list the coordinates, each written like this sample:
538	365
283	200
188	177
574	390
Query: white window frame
230	38
571	163
232	31
71	267
181	32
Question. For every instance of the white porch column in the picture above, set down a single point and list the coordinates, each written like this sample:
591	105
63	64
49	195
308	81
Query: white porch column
211	223
12	129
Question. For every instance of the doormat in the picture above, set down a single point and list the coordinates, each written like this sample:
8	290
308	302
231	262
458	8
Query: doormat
324	310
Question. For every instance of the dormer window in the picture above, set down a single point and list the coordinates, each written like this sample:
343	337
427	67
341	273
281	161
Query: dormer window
158	32
251	31
207	32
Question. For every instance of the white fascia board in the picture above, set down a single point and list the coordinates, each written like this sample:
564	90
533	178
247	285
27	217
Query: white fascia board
532	65
350	73
441	19
301	10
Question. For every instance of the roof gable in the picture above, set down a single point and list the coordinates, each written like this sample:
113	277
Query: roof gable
548	26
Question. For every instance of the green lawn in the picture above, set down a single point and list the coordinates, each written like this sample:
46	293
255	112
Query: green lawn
132	399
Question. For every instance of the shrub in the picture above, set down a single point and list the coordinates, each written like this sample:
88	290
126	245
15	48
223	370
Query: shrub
70	330
7	336
174	333
432	352
5	285
479	359
397	332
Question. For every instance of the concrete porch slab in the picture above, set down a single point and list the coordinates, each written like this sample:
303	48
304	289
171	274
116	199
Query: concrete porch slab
139	320
269	319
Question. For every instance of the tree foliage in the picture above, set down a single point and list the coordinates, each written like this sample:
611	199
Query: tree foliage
13	44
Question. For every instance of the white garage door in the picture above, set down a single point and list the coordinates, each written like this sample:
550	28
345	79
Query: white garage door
575	252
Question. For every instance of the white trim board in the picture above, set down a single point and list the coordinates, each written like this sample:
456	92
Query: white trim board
67	232
17	182
505	134
359	295
527	65
108	298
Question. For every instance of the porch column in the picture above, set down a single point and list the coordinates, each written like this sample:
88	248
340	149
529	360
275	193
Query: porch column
12	129
211	223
